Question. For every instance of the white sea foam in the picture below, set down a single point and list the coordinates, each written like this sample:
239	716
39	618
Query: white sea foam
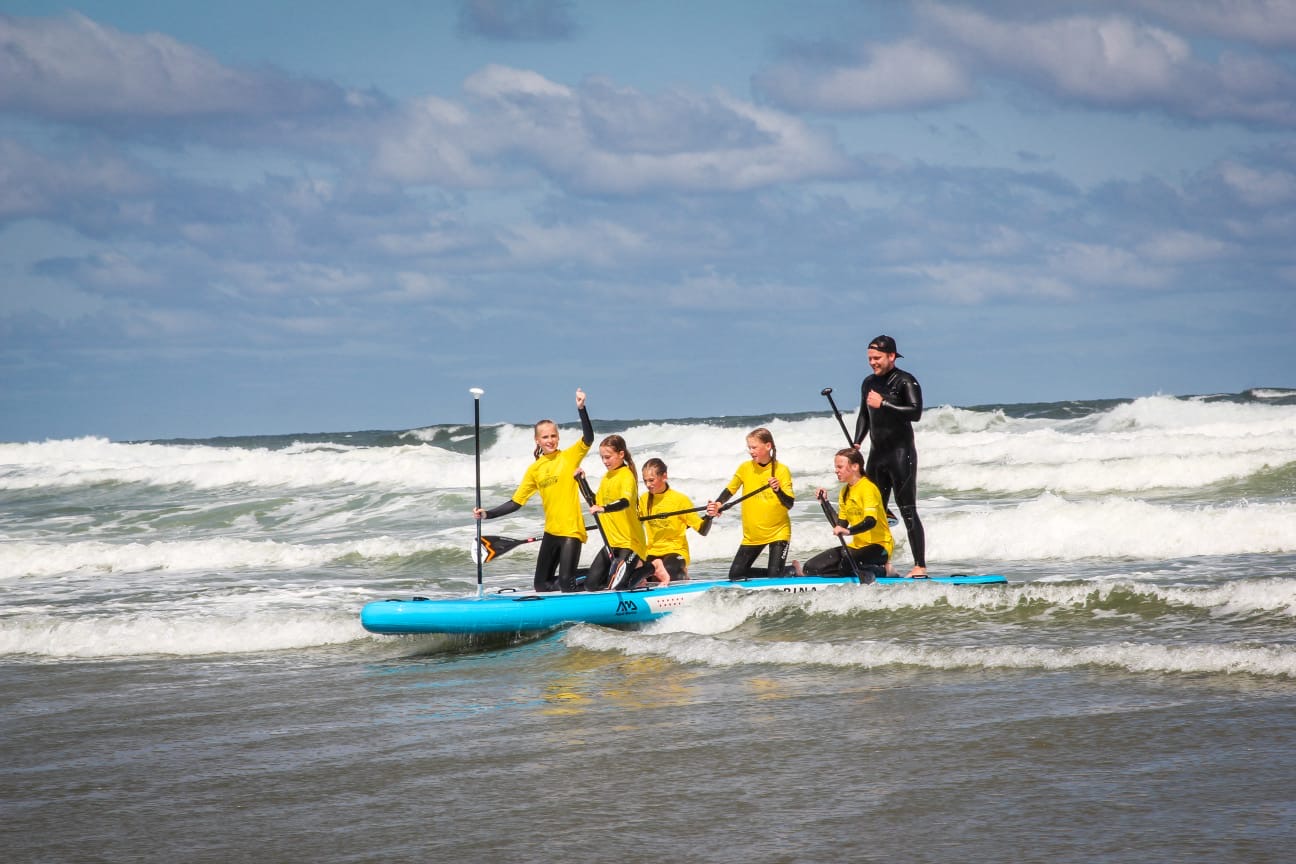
1264	661
1054	528
1139	482
92	461
1049	528
1148	444
722	611
45	558
176	632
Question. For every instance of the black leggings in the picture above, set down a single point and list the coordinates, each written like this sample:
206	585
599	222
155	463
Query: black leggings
638	577
561	555
601	567
741	568
897	469
832	562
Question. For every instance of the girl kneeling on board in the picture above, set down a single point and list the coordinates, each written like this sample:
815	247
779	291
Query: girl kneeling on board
861	521
668	550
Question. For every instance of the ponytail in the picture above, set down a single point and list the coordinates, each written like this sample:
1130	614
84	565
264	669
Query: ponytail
765	436
659	467
536	430
617	443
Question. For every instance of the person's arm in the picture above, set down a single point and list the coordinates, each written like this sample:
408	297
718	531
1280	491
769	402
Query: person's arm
619	504
867	525
691	518
714	507
784	492
910	405
587	428
503	510
862	421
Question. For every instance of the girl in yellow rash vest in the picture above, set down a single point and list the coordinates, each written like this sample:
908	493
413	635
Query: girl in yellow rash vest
553	475
668	551
616	501
765	518
861	520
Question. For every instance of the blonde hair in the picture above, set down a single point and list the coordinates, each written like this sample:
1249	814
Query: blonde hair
536	430
763	435
658	467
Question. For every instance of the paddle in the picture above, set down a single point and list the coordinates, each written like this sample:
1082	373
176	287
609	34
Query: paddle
850	442
864	578
615	568
477	394
706	520
492	546
723	507
827	391
588	494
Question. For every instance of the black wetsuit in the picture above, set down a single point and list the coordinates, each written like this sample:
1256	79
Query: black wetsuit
893	459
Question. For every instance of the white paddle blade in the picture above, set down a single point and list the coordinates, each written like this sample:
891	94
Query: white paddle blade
618	571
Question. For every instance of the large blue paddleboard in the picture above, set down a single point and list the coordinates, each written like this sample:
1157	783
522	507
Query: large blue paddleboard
524	611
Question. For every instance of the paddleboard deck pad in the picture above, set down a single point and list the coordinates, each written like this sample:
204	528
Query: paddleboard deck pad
512	611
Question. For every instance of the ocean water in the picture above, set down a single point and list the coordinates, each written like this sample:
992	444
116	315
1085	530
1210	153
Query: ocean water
183	675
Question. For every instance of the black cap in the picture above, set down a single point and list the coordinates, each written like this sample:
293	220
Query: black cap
885	344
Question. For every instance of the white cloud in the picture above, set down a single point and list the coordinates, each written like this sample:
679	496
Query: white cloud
1109	59
1256	187
1187	247
431	142
1113	60
600	139
1116	62
597	243
35	184
71	67
971	283
905	74
1103	265
1262	22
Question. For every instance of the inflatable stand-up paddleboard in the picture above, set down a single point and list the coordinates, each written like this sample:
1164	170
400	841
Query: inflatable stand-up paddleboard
512	611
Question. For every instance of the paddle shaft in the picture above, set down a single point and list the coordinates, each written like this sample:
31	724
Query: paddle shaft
495	546
588	495
827	391
850	442
832	520
723	507
477	394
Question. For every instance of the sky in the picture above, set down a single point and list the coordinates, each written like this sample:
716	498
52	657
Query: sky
256	218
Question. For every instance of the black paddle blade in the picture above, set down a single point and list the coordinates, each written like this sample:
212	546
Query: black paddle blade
493	547
484	550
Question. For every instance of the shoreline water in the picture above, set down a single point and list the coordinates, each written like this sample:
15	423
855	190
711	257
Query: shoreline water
185	677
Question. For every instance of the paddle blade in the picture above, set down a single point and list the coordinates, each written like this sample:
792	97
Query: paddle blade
493	547
482	551
619	568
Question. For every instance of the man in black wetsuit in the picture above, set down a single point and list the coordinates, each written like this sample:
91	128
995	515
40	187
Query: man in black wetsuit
890	403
